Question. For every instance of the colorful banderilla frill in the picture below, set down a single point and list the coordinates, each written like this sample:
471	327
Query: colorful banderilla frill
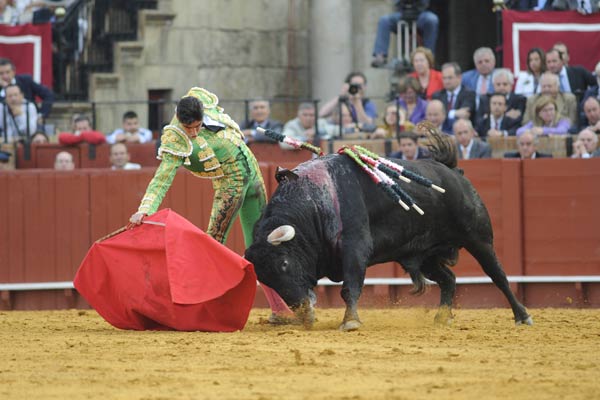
290	141
383	172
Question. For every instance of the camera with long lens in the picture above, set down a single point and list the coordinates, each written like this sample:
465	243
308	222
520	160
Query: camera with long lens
354	88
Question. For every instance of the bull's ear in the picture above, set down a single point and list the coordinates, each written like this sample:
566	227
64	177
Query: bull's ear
285	175
281	234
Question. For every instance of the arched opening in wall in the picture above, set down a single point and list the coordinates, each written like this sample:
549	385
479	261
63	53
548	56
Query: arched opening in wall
160	109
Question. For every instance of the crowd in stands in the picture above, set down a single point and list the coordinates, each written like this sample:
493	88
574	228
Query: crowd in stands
16	12
553	96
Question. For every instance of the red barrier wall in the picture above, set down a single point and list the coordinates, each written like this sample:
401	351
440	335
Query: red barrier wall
544	213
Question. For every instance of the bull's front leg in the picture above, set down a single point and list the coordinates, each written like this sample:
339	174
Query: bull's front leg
354	278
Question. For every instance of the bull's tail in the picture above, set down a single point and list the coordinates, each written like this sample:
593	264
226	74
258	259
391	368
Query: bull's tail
441	146
418	282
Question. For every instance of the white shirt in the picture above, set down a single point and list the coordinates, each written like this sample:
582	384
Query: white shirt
128	166
145	135
468	150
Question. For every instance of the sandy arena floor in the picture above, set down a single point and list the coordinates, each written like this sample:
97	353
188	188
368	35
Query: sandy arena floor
398	354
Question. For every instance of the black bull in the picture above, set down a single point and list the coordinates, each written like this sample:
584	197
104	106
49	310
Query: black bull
328	219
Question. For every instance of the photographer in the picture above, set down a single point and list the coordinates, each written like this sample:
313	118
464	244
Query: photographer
408	10
362	110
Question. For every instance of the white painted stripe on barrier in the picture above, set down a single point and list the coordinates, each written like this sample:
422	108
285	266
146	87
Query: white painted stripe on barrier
463	280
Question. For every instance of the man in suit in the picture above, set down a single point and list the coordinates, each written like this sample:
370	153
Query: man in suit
503	80
574	80
527	145
436	114
29	87
479	79
468	146
497	122
593	91
456	98
591	109
409	147
260	112
566	102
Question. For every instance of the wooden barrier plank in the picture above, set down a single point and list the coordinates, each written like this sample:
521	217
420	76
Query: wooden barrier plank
17	240
46	154
5	232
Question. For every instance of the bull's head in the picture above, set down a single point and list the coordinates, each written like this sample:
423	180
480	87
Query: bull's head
280	263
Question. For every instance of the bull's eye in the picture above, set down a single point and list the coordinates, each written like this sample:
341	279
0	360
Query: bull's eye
284	266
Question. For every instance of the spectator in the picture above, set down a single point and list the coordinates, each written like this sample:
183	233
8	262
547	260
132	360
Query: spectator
18	117
528	82
574	80
119	157
393	113
260	116
409	147
479	79
64	161
353	93
430	79
468	146
547	120
591	109
39	137
81	132
427	23
29	88
527	145
515	103
564	51
581	6
457	99
8	14
409	89
436	114
131	132
348	126
593	91
586	145
303	126
566	102
497	123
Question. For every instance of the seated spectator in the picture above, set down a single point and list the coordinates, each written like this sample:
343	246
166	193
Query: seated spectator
574	80
82	132
547	120
409	147
581	6
427	23
131	132
39	137
119	157
591	109
339	126
302	127
564	51
409	89
468	145
260	116
29	88
527	145
436	114
566	102
8	14
18	117
586	145
353	93
64	161
497	122
394	122
593	91
503	84
479	79
528	82
457	99
430	79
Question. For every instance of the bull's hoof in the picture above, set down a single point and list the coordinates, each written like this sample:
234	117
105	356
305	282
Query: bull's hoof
526	321
349	326
443	316
283	319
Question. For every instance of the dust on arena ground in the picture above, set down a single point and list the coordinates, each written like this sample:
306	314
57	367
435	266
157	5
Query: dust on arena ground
398	354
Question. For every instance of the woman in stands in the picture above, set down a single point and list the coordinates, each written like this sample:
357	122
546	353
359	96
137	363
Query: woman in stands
528	82
393	113
430	79
410	100
547	120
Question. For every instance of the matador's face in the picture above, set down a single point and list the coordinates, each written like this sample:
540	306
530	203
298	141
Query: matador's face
191	130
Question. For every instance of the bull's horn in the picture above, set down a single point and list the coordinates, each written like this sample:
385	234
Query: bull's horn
281	234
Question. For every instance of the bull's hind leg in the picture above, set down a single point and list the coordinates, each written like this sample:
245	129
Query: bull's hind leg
485	255
446	280
354	279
